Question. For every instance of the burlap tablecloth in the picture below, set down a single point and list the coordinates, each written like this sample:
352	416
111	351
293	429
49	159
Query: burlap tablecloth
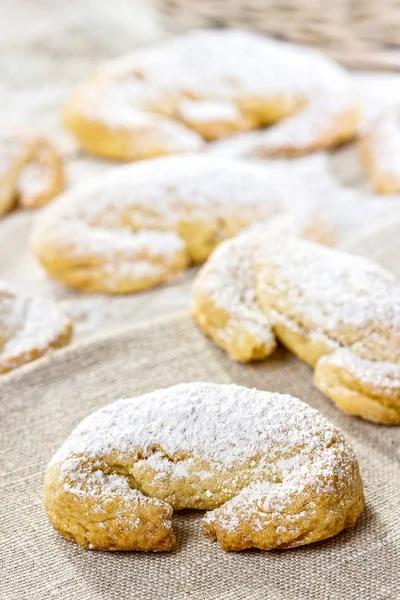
43	402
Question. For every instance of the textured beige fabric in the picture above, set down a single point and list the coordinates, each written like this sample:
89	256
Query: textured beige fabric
42	403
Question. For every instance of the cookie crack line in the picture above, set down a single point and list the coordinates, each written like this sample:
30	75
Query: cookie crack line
143	224
270	471
207	85
338	312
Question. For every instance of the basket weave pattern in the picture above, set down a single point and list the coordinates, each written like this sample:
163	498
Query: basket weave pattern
358	33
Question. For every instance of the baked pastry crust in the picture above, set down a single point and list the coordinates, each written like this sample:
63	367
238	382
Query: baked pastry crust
141	224
338	312
29	328
31	171
207	85
380	151
272	472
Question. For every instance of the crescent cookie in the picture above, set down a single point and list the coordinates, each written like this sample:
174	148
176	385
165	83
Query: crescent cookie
31	171
338	312
380	150
207	85
29	328
140	225
271	470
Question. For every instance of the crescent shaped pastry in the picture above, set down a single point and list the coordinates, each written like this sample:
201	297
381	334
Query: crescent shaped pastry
338	312
141	224
207	85
271	470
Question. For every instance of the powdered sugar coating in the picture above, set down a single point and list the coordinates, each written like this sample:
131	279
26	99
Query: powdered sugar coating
350	299
34	180
13	153
209	110
246	453
207	76
305	129
223	426
384	143
169	185
31	171
319	302
29	327
383	375
227	285
11	150
152	218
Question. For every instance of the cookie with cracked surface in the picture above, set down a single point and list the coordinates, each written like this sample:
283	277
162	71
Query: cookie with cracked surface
207	85
31	171
380	151
271	470
338	312
142	224
29	328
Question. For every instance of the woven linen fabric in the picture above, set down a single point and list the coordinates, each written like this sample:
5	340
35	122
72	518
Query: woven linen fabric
42	402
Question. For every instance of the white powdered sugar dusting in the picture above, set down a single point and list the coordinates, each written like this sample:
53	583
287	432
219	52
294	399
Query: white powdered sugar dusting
228	280
222	70
113	103
351	299
383	375
183	428
302	129
133	214
209	110
28	168
385	142
347	305
28	326
168	187
34	180
12	150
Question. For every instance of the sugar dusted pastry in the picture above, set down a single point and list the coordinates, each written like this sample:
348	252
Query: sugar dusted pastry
271	470
31	171
338	312
144	223
29	328
207	85
380	151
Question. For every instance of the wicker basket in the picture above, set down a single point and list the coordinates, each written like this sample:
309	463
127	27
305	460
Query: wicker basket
357	33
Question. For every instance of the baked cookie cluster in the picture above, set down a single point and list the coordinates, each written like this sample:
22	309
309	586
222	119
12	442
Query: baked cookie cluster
207	85
270	470
338	312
